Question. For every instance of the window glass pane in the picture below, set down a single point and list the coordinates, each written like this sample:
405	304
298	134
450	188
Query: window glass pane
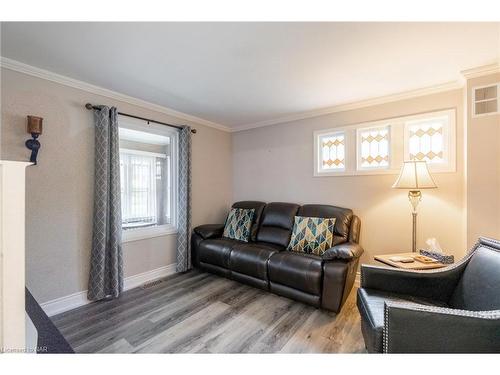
332	151
426	140
142	191
145	177
374	147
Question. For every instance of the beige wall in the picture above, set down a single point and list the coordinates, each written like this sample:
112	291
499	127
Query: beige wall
483	168
60	187
272	164
275	163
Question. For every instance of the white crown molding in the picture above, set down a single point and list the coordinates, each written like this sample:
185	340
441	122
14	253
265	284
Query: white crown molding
54	77
481	71
448	86
67	81
72	301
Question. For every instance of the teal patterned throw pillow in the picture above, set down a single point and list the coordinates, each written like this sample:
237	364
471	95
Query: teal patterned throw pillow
239	224
311	235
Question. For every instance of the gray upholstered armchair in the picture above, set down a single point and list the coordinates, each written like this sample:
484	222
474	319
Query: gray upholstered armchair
451	310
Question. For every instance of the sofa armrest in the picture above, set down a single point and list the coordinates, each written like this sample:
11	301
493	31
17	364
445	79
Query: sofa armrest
209	231
433	284
345	251
415	328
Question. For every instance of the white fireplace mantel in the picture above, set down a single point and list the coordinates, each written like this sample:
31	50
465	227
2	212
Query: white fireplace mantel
12	265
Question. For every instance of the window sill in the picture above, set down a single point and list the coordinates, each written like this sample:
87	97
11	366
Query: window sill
379	171
138	234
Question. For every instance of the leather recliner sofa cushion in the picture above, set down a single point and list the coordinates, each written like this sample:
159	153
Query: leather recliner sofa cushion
217	251
296	270
251	258
277	223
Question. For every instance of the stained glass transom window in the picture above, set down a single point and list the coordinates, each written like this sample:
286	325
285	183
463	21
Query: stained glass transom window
333	151
426	140
373	146
381	146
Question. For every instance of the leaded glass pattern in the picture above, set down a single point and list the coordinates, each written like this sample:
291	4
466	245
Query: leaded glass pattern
426	140
374	147
333	151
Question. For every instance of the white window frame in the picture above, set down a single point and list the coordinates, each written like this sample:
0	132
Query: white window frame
137	234
142	153
449	140
473	104
398	149
359	130
351	151
318	162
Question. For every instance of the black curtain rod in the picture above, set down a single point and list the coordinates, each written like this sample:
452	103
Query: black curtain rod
90	106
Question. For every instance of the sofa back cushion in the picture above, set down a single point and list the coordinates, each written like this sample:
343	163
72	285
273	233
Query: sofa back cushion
277	223
257	215
479	287
343	217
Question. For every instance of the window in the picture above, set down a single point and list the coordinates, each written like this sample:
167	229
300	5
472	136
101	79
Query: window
425	140
333	151
144	189
373	147
431	138
148	180
380	147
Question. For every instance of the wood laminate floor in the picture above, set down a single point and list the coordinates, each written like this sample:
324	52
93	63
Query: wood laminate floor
203	313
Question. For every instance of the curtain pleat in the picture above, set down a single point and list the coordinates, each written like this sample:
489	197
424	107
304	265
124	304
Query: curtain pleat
106	264
184	202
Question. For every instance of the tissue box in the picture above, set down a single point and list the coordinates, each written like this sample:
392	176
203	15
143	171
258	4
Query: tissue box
443	258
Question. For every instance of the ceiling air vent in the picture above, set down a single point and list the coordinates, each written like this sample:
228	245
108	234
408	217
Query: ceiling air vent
486	100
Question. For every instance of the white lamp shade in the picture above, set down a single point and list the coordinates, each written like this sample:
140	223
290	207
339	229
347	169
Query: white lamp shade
414	175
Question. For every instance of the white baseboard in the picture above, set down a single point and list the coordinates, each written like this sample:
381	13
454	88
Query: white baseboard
72	301
62	304
134	281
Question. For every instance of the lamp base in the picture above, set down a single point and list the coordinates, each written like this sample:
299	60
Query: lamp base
414	196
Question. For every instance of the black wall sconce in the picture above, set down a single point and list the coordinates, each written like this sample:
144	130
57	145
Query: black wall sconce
35	129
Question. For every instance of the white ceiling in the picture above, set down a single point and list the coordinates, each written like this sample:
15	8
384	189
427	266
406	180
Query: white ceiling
237	74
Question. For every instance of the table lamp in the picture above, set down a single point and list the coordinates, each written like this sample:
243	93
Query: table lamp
414	176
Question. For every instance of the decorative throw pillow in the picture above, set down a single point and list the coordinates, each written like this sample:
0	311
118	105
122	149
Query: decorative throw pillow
239	223
311	235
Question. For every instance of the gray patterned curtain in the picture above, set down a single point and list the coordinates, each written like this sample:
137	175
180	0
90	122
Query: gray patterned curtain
106	265
184	204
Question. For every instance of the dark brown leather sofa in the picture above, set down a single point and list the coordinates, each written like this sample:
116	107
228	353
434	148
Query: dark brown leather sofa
263	262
